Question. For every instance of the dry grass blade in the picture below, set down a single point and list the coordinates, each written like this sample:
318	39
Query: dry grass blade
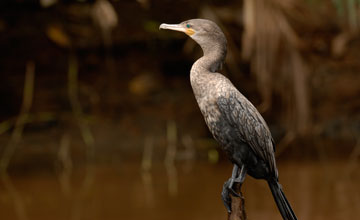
66	169
299	77
85	133
77	110
22	118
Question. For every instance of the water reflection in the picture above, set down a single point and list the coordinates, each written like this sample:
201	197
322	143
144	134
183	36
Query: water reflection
124	191
14	196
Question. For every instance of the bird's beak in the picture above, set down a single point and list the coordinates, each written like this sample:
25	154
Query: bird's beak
177	27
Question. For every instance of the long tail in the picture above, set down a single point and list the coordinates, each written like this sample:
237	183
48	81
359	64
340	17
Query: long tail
282	203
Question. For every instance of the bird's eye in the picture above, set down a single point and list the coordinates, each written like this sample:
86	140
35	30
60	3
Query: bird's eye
188	25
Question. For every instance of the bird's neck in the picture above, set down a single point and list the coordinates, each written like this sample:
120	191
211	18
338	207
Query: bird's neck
212	60
203	69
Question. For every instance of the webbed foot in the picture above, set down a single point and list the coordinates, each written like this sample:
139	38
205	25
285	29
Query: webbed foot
228	186
225	194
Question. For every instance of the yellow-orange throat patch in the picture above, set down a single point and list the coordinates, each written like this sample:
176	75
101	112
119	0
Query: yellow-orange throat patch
189	31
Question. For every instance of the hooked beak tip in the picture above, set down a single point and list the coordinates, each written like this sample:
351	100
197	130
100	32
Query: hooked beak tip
162	26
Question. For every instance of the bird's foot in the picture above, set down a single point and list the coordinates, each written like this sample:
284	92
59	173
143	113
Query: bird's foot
225	195
237	177
227	190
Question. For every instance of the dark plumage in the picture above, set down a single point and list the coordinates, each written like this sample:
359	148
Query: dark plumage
232	119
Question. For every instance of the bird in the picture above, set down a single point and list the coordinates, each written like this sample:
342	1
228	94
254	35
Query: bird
232	119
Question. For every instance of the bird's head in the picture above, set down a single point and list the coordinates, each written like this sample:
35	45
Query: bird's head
205	32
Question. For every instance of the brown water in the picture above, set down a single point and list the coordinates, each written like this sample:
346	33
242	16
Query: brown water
121	191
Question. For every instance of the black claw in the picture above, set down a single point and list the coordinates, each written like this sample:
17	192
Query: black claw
225	195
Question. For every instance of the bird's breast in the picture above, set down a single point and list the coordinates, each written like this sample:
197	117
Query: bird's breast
208	88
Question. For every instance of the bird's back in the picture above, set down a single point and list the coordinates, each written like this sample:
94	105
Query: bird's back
233	120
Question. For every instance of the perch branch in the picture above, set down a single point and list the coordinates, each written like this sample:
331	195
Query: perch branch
237	205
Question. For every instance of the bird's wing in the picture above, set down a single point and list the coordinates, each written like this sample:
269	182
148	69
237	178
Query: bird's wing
252	128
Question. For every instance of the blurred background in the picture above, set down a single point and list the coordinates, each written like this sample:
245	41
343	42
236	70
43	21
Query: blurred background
98	119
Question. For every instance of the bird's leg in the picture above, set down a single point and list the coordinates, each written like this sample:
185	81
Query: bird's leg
241	177
236	177
233	178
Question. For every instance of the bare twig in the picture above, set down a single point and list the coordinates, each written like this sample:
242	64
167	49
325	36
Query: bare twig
22	118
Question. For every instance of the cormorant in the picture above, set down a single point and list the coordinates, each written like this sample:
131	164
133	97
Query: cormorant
234	122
